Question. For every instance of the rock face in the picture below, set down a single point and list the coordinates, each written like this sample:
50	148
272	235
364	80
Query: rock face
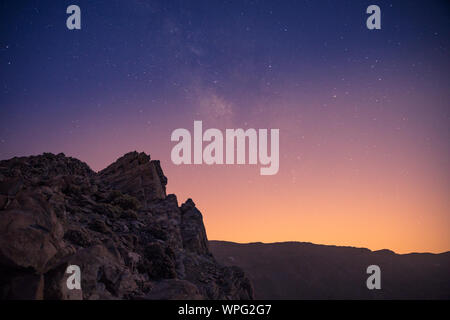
129	239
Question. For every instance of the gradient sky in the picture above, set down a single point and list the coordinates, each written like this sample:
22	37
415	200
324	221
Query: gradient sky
363	115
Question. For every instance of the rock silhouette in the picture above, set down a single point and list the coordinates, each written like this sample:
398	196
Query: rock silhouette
298	270
130	239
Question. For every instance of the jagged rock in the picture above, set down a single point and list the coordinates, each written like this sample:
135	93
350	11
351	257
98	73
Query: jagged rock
192	229
78	237
29	238
158	261
99	226
10	187
135	175
130	239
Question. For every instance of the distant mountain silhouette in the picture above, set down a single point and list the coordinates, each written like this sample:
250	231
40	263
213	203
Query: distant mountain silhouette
295	270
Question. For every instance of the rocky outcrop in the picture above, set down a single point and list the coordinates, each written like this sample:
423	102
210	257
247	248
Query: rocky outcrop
129	239
136	175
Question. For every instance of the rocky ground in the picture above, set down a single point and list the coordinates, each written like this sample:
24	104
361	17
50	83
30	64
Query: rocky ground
130	239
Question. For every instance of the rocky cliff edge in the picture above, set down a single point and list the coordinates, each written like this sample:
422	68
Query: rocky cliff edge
130	239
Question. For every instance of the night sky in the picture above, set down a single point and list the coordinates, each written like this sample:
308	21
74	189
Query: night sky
363	114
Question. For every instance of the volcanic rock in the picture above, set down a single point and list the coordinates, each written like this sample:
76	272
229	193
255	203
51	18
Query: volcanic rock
128	237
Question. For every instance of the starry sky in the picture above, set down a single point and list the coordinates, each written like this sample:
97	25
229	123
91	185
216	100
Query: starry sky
363	114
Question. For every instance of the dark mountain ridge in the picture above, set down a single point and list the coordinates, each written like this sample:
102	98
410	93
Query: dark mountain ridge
299	270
